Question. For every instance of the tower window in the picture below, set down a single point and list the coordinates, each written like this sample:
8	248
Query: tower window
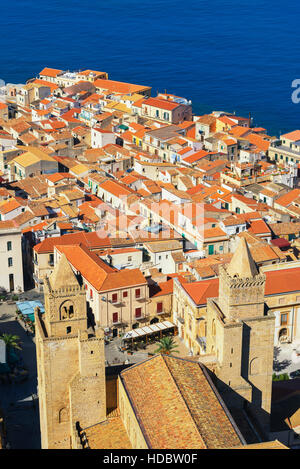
69	329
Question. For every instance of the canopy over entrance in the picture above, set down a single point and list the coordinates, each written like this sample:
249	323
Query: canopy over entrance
148	330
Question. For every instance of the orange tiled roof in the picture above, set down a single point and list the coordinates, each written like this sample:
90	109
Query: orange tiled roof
202	290
259	227
288	198
9	205
50	72
188	412
101	276
161	103
110	434
294	136
118	86
91	240
196	156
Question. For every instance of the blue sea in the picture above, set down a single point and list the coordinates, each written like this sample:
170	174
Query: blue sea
239	56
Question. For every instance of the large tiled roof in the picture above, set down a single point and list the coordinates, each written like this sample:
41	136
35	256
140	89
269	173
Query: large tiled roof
177	406
92	240
97	273
277	282
118	86
201	291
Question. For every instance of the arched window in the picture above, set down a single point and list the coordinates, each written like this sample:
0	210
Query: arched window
254	366
66	310
63	415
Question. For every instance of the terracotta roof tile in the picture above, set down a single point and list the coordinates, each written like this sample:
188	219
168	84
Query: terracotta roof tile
188	412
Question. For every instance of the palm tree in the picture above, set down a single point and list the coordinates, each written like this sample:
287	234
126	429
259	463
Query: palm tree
167	346
11	341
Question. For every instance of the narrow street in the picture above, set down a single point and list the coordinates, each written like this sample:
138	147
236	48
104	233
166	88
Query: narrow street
20	411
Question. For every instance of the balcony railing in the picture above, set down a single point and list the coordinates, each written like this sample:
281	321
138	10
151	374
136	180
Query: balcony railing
118	303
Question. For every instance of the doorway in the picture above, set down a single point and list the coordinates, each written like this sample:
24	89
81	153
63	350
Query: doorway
11	282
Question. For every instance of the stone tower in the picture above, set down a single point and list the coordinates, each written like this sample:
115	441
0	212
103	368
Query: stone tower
240	333
70	361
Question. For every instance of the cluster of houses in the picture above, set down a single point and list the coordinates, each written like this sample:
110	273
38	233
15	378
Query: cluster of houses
145	199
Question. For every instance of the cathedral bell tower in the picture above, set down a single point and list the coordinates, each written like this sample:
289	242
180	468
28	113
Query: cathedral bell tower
70	361
240	333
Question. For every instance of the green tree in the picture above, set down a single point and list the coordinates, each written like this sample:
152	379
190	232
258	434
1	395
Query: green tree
11	341
167	346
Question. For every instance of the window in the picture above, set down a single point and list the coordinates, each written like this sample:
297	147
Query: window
138	312
69	329
125	294
114	298
129	258
159	308
115	317
138	293
283	319
10	262
9	247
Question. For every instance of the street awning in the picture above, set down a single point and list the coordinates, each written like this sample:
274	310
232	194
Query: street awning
27	308
148	330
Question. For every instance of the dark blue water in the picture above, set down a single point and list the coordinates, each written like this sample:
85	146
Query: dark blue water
224	55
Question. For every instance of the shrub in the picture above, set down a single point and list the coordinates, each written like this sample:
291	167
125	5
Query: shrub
281	377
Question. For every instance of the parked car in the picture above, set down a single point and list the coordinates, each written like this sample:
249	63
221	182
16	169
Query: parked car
295	374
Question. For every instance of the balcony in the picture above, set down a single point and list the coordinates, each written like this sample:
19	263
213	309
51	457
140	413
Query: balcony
141	300
142	318
117	304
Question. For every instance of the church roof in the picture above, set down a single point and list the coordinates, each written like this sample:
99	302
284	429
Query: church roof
177	406
62	274
242	263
